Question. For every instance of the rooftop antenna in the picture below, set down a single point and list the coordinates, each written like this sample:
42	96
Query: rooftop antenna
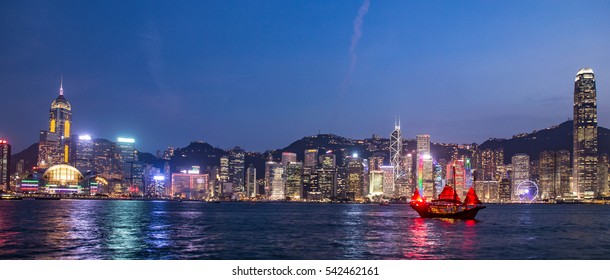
61	85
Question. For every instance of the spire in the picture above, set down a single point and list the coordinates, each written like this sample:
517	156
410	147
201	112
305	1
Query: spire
61	85
396	122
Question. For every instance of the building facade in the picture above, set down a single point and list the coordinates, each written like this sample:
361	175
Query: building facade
585	153
5	165
54	146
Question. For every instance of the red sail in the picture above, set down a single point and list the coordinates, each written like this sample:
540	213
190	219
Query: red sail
448	194
472	198
416	197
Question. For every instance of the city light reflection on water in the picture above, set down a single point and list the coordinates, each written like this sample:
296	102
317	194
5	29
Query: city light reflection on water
81	229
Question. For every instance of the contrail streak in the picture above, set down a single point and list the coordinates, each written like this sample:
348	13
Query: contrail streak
364	8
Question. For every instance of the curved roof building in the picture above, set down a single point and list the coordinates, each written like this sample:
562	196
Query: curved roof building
62	175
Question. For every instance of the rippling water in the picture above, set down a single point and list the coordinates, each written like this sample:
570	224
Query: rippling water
92	229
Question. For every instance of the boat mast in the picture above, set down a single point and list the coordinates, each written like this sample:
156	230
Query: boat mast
454	188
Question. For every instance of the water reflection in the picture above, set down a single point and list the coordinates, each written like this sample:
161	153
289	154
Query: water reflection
419	243
351	231
78	229
469	241
8	234
123	219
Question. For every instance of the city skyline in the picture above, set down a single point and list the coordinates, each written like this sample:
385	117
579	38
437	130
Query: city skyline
142	83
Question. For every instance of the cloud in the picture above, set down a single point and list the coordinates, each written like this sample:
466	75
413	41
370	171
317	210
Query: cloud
358	21
166	100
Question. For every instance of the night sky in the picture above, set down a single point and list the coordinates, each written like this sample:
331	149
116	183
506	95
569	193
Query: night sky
261	74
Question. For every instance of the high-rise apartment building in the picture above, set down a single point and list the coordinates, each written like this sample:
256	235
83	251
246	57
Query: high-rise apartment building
489	161
585	153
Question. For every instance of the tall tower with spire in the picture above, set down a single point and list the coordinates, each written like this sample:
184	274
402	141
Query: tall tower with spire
396	159
585	155
54	145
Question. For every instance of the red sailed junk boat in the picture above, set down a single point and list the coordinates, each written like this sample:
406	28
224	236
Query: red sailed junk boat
448	205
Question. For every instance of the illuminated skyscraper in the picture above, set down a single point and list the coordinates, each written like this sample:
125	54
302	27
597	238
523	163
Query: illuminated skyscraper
505	190
355	179
376	182
276	180
190	186
288	158
251	184
54	145
132	171
388	181
585	153
376	162
489	160
327	176
236	169
521	172
554	174
5	165
106	160
224	169
602	175
294	185
310	182
310	158
328	161
396	151
83	153
425	180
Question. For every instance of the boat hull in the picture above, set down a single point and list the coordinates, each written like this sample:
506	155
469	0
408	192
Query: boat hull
446	212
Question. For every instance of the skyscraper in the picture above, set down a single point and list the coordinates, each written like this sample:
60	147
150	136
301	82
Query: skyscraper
294	184
288	157
310	158
355	179
396	151
106	159
5	165
327	176
276	180
585	154
83	153
425	180
251	184
554	174
54	145
521	172
127	150
236	169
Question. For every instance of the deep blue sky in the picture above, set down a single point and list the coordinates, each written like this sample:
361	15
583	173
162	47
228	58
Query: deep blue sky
261	74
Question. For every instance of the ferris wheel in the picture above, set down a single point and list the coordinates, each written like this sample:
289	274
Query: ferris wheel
527	191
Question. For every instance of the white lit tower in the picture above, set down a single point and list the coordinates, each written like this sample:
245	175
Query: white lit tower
396	152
